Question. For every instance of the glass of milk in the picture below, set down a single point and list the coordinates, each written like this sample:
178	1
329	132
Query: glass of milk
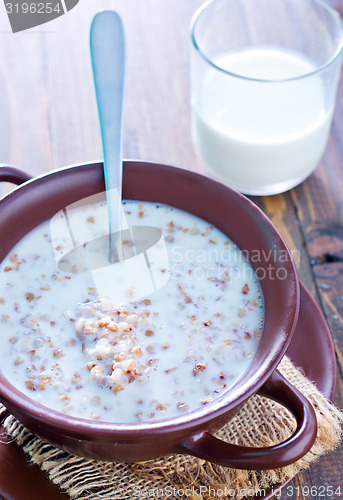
264	76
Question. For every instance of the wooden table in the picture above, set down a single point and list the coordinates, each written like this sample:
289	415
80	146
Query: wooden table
48	119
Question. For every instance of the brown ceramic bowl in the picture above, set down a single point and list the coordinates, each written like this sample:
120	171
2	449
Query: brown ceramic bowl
39	199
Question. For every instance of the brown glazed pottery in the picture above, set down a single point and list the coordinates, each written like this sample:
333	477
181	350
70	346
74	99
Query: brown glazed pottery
39	199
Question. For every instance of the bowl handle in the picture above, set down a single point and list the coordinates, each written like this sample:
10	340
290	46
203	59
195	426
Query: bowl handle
14	175
204	445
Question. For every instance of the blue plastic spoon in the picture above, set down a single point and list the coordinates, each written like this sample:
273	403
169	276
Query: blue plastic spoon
107	44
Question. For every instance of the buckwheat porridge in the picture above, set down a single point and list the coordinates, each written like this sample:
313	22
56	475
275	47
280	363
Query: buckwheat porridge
167	348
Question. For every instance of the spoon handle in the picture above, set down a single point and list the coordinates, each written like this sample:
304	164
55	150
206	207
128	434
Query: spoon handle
107	44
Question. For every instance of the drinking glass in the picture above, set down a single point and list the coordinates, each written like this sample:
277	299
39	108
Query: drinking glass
264	76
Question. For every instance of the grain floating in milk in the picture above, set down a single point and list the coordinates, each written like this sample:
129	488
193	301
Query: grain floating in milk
152	357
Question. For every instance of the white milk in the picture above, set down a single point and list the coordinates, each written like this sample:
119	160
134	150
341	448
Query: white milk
261	137
148	358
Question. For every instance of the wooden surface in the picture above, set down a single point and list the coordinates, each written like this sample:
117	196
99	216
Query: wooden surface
48	119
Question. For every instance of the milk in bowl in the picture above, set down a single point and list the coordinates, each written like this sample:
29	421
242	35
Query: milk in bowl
157	352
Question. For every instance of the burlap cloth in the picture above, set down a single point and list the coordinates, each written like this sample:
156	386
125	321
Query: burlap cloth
259	423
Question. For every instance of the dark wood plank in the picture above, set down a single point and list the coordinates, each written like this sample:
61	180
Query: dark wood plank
281	212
